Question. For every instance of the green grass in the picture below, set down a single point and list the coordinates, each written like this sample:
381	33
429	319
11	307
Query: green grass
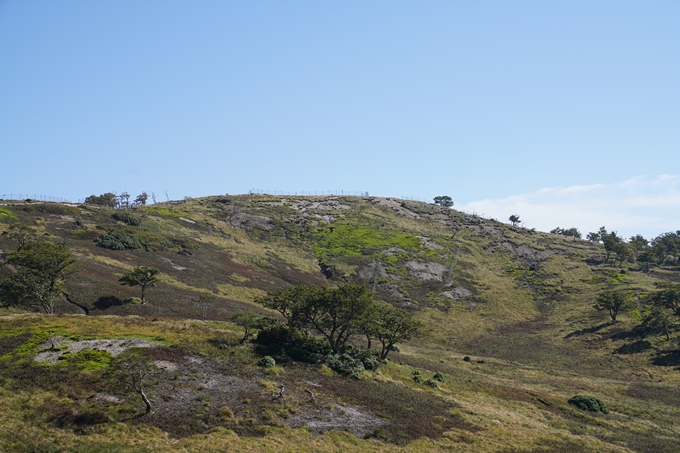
7	214
354	240
166	212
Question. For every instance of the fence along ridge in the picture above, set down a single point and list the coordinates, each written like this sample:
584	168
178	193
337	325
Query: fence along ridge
33	197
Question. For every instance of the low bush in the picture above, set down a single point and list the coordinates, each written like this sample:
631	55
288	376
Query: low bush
118	241
121	217
267	361
344	364
431	383
588	403
438	377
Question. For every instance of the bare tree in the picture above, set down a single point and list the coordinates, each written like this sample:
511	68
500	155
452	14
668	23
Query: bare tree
133	371
167	197
153	197
204	301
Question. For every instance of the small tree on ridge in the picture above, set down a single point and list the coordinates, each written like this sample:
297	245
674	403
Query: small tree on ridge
141	276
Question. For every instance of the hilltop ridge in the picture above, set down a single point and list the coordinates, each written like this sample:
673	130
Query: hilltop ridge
519	302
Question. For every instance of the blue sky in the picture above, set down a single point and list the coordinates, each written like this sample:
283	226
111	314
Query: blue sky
566	113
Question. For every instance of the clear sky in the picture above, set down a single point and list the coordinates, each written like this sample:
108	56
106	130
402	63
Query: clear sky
566	113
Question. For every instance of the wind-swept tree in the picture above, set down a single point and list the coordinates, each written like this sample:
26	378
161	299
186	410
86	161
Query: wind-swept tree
141	199
250	322
667	296
443	200
21	234
335	313
389	325
613	302
514	219
290	302
623	252
638	244
661	320
107	199
665	245
570	232
204	301
43	267
145	277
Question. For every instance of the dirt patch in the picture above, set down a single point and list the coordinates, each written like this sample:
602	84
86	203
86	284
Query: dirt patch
525	253
457	293
174	266
429	243
426	271
330	204
57	346
396	294
341	418
372	270
407	414
397	207
251	221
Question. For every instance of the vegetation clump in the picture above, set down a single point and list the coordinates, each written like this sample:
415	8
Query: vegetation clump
588	403
266	361
118	241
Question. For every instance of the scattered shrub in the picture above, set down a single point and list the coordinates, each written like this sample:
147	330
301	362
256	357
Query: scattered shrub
50	208
303	355
267	361
279	338
121	217
273	370
417	378
225	412
466	359
438	377
118	241
431	383
344	364
588	403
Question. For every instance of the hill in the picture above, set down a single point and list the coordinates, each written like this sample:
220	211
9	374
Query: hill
509	327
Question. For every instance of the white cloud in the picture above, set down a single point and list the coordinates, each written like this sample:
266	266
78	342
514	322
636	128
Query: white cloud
639	205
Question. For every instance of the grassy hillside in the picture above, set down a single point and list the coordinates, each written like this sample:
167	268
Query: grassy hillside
517	303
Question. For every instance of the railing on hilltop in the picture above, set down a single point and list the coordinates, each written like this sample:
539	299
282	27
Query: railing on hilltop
309	193
33	197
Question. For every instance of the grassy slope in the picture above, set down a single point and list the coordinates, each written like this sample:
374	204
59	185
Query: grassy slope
535	328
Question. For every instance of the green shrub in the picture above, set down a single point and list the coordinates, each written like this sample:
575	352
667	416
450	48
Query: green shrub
121	217
118	241
50	208
344	364
304	355
438	377
280	338
431	383
267	361
417	377
466	359
588	403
